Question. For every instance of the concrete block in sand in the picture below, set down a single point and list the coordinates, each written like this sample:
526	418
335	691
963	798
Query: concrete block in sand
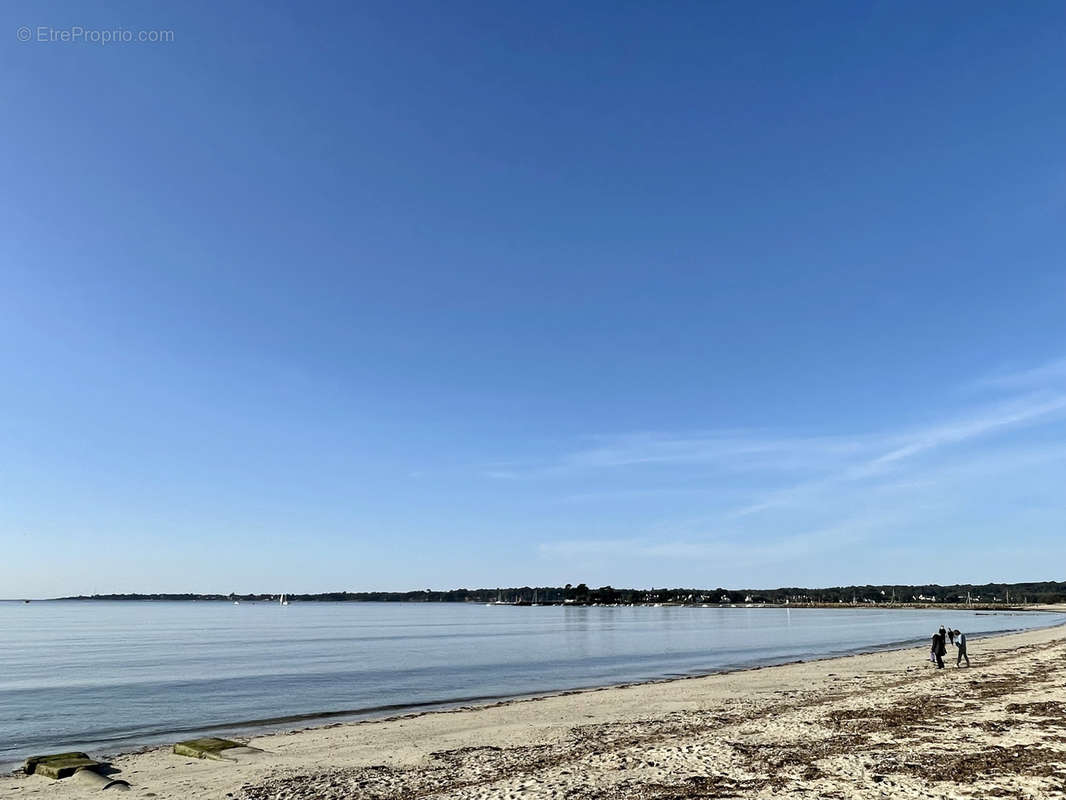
59	765
62	765
214	749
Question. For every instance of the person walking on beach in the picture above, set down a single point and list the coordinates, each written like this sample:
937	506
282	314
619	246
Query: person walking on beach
939	648
960	642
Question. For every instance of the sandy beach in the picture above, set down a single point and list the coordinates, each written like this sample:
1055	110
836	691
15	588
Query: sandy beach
868	726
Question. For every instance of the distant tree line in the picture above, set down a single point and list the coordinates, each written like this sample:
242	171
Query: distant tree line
580	594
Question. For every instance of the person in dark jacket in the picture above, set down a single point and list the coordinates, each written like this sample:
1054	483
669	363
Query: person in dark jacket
939	649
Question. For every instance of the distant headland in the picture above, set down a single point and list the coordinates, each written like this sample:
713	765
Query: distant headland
988	595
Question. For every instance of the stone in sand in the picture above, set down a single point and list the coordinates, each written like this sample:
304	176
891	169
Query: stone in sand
59	765
212	748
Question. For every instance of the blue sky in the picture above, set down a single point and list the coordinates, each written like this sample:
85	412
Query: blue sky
394	295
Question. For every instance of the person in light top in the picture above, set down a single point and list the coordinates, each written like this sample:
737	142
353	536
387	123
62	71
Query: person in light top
960	642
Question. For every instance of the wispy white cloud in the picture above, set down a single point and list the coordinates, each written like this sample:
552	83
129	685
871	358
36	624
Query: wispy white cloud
1042	375
503	474
1038	393
734	448
737	451
817	463
836	490
901	446
733	549
1019	412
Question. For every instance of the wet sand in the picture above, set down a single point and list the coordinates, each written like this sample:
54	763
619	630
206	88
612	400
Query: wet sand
869	726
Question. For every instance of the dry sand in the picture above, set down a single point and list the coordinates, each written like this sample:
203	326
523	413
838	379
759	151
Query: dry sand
883	725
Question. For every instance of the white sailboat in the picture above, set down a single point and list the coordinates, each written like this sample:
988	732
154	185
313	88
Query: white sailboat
284	602
499	601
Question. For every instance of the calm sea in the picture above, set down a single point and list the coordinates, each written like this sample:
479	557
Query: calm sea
107	676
